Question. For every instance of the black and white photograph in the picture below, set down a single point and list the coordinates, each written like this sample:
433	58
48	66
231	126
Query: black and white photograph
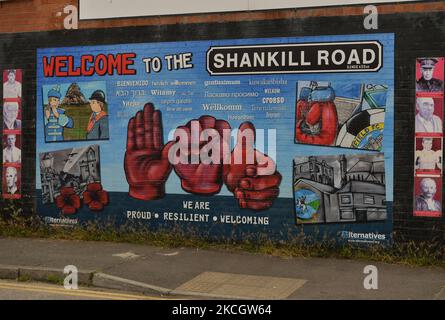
428	196
429	116
12	152
74	168
428	157
12	86
11	116
430	75
11	182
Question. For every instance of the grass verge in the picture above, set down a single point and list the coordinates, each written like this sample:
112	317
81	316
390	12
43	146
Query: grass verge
402	252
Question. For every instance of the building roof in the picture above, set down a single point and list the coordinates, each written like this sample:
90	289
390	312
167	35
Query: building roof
316	160
378	167
370	168
73	158
319	186
367	166
363	187
361	166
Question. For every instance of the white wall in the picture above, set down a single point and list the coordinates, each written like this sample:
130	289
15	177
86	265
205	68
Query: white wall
100	9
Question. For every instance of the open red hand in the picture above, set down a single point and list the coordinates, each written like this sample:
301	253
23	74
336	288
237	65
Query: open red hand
146	159
252	175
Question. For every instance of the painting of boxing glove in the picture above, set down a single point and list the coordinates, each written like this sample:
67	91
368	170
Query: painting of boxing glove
320	124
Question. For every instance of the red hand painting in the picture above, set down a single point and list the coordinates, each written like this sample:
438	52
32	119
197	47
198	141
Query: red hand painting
146	159
198	177
252	175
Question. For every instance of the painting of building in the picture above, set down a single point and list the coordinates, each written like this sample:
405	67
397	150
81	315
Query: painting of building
75	167
316	171
354	192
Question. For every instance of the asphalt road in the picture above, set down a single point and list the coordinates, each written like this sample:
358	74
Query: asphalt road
12	290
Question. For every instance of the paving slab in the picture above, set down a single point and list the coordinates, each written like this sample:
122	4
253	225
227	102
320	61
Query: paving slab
238	286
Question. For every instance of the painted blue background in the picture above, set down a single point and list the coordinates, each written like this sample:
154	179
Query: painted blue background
112	151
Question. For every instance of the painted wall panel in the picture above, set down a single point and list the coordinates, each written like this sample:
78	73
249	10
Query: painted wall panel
104	143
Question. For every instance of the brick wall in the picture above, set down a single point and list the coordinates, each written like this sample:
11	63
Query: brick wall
419	31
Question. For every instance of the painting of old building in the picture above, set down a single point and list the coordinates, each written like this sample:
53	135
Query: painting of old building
314	170
342	188
75	167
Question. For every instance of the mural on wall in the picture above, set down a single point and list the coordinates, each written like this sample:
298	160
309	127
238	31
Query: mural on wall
428	137
12	132
343	188
201	135
341	114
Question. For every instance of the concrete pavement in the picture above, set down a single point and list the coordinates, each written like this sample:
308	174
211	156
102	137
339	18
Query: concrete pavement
221	274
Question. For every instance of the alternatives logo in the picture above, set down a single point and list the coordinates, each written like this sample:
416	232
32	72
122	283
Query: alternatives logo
369	237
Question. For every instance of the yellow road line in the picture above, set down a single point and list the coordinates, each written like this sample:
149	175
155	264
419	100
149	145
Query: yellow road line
77	293
68	293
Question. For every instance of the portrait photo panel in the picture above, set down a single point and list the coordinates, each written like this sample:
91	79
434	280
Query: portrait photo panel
11	182
12	85
12	147
17	75
12	116
430	75
428	196
429	116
